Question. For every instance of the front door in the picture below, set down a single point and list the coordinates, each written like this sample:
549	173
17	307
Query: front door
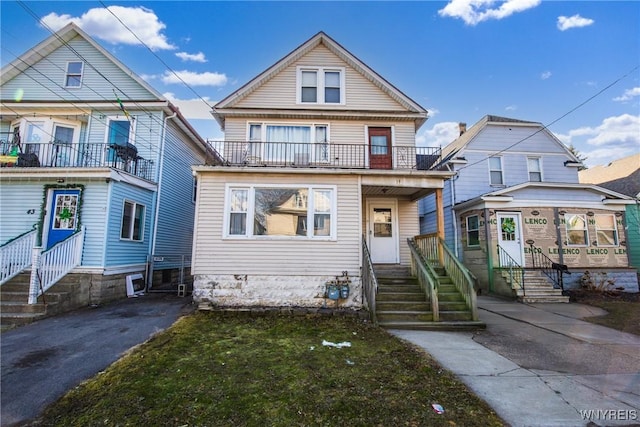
380	148
510	235
383	233
63	220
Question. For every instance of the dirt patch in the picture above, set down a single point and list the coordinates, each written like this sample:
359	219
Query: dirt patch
34	358
584	296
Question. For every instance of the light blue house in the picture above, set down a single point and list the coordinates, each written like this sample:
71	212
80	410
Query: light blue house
96	175
515	213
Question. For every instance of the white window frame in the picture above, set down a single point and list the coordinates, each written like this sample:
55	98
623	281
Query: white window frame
538	160
68	74
250	212
585	229
616	236
118	118
130	236
477	230
257	145
501	170
320	87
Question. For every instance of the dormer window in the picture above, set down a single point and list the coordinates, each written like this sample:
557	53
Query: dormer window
318	85
73	77
535	171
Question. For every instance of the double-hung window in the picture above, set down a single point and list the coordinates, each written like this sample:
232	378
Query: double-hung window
473	231
535	171
301	212
73	76
495	171
320	85
132	227
576	225
606	230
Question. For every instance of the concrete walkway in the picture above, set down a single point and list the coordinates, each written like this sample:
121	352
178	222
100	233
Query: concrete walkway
43	360
540	365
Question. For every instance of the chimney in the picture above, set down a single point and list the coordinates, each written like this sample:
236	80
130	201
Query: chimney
463	128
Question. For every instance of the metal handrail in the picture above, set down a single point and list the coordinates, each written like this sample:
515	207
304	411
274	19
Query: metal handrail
15	255
421	269
515	270
369	282
324	154
551	269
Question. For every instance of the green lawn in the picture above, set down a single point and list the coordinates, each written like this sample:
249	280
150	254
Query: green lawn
216	369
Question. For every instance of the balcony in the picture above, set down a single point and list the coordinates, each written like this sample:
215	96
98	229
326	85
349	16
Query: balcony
325	155
66	155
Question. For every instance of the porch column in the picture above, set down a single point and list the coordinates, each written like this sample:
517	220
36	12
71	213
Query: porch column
440	224
34	283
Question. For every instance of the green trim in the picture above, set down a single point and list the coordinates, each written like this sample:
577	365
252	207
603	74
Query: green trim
43	207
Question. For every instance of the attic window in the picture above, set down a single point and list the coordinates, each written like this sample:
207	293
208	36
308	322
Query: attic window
318	85
73	77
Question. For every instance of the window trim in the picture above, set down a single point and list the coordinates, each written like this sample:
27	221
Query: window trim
117	118
258	145
130	234
320	88
251	189
501	170
585	229
539	171
68	74
614	229
477	230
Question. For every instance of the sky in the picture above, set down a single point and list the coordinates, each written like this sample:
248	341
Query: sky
573	66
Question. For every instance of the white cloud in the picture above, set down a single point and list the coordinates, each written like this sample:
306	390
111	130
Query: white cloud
545	75
192	109
195	57
473	12
615	137
628	95
194	79
575	21
101	23
439	135
511	108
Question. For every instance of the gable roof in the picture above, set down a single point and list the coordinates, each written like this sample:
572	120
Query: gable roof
460	143
622	175
342	53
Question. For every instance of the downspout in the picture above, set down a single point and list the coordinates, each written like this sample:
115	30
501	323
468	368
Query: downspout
152	247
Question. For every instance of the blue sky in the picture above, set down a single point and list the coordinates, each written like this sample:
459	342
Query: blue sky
568	64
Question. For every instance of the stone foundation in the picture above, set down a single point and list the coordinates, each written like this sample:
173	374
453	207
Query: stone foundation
271	291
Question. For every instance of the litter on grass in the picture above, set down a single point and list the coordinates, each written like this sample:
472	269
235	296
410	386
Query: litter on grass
337	345
350	363
438	408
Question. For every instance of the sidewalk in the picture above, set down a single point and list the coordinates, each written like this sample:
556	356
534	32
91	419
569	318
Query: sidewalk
539	365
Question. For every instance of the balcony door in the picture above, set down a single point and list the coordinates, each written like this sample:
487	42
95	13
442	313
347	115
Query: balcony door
380	148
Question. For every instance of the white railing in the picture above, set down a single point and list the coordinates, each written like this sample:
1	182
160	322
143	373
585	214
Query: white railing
15	255
53	264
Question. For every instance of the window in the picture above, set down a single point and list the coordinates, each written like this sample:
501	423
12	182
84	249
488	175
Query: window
576	226
535	172
495	171
132	221
277	211
289	143
473	233
606	230
318	85
73	77
119	132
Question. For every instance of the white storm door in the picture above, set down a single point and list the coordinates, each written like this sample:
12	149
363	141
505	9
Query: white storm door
383	233
510	235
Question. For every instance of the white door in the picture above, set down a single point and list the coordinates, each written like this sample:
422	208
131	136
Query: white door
383	233
510	235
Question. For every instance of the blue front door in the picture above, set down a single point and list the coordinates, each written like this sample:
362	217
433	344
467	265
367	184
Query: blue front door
64	215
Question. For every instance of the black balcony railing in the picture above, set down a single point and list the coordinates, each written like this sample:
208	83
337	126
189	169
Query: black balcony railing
65	155
325	155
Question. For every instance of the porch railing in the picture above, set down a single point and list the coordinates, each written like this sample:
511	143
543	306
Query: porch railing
549	268
420	268
325	154
369	282
514	271
53	264
15	255
82	155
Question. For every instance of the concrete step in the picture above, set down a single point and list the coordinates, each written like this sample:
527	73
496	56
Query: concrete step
404	316
435	326
451	316
12	307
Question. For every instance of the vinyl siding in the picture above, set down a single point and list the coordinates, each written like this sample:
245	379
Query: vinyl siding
633	234
176	207
45	80
280	91
274	257
124	252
